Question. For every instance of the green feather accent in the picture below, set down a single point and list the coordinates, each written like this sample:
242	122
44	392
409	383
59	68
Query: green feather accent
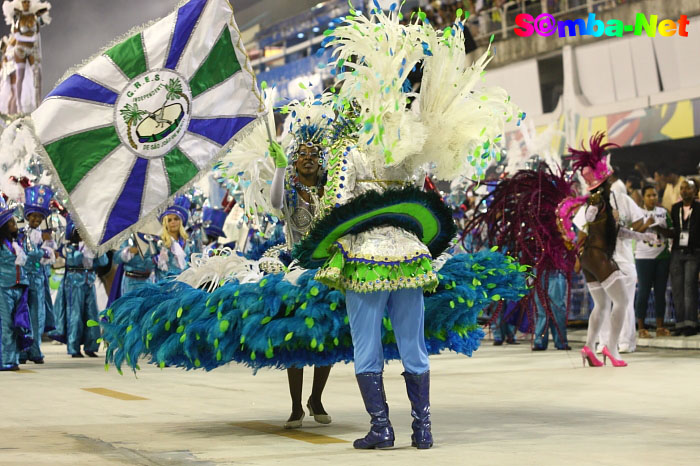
167	326
223	326
422	213
288	336
265	320
92	323
179	313
309	322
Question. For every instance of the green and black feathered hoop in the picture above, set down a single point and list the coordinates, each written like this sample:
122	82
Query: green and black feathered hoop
422	213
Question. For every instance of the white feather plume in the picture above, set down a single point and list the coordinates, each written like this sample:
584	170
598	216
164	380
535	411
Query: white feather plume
455	125
19	158
249	164
464	121
387	52
532	145
217	270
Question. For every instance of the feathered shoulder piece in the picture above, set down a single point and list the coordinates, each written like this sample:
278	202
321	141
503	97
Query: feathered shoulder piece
594	163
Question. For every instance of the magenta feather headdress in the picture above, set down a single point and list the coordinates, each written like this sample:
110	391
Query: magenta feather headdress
593	164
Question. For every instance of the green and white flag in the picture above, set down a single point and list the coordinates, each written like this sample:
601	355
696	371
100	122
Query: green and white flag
139	122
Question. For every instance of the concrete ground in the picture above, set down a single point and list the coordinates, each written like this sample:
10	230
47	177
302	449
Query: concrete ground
506	405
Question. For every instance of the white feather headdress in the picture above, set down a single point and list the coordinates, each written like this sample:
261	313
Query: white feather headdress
19	158
10	6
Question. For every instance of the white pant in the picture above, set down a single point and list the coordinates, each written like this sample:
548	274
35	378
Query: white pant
628	334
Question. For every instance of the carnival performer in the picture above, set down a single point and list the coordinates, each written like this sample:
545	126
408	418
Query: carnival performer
7	75
296	190
522	219
174	248
384	263
15	326
631	216
26	18
293	319
135	267
40	250
598	239
76	302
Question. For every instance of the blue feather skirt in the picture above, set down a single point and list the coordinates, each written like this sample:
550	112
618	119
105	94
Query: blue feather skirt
278	324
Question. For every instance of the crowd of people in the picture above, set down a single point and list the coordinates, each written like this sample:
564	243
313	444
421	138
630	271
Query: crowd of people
652	268
38	250
485	16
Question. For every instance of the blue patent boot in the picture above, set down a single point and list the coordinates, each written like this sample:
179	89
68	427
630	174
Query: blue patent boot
381	434
418	389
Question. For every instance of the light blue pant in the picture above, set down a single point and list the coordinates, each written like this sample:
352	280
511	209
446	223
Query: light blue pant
557	302
37	314
9	354
131	284
406	311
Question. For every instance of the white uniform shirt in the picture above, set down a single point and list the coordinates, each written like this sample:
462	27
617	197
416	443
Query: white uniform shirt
629	212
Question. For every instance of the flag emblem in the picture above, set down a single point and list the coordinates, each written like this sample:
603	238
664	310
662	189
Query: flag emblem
134	126
154	111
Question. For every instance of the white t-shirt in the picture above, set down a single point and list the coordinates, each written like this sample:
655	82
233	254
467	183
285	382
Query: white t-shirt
618	187
629	212
646	250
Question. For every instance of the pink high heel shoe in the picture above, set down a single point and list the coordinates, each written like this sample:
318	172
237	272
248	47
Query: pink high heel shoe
615	362
588	355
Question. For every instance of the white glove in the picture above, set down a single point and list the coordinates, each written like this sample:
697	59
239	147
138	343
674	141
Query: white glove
626	233
21	258
49	253
87	252
35	237
88	256
591	213
126	255
163	260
